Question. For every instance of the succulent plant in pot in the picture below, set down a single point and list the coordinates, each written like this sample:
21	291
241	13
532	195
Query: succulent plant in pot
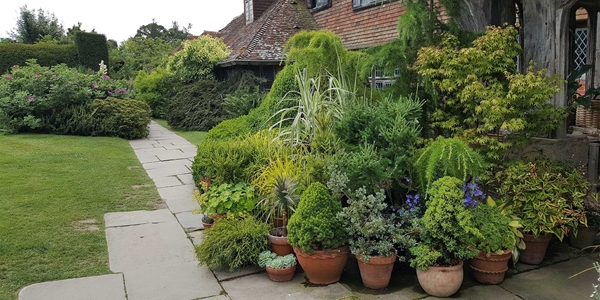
279	268
548	197
448	231
207	221
372	237
318	238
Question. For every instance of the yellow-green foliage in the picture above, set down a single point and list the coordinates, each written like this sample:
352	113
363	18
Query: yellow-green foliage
281	165
198	58
484	95
151	89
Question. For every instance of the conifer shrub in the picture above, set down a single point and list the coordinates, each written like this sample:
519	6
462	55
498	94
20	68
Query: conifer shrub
124	118
197	106
233	243
314	225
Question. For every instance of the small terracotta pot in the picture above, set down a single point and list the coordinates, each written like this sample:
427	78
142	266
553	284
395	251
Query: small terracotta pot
535	248
281	275
323	267
207	225
280	245
490	269
441	281
376	273
585	237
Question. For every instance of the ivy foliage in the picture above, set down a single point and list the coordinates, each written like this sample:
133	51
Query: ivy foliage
487	102
314	226
449	157
448	224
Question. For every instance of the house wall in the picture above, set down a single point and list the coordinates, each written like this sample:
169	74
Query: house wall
363	28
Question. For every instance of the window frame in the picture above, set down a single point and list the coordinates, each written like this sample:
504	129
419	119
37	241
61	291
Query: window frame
314	8
372	3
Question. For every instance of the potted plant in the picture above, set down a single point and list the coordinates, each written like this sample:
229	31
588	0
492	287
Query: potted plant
447	233
586	235
499	236
279	268
548	197
372	237
207	221
280	201
231	200
318	238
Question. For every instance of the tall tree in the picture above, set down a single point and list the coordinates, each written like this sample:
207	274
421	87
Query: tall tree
33	25
173	35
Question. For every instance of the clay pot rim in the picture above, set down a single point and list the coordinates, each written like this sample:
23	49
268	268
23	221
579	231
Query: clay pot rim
279	240
379	260
507	252
323	254
537	239
281	270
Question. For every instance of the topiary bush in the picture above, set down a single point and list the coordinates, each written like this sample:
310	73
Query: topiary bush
124	118
233	243
92	49
45	54
197	106
314	226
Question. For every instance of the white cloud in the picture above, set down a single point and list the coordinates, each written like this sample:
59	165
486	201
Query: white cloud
119	20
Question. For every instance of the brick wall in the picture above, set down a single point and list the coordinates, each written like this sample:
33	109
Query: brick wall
364	28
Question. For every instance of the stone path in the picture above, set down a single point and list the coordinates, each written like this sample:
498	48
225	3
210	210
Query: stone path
153	258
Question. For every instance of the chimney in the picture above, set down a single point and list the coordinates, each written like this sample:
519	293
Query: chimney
253	9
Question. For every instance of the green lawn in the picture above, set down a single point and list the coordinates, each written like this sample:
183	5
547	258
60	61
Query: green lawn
48	184
194	137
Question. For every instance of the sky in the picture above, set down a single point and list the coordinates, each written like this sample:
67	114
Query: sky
120	19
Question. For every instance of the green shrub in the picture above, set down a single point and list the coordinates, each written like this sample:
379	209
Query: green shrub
124	118
241	102
234	200
449	157
198	58
197	106
231	161
449	227
496	235
229	129
92	49
364	167
46	55
232	243
314	226
153	89
76	120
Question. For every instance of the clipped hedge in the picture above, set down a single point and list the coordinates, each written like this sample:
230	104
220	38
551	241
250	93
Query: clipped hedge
197	106
46	55
92	49
124	118
229	129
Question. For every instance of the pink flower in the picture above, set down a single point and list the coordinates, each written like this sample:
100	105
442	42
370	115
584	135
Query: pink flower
110	88
94	85
15	66
31	99
105	77
8	77
37	75
53	75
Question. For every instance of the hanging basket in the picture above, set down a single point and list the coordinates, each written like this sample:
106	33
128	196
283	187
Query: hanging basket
589	118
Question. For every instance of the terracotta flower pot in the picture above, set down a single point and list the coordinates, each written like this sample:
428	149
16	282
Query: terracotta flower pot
281	275
441	281
323	267
207	225
377	271
535	248
280	245
490	270
585	237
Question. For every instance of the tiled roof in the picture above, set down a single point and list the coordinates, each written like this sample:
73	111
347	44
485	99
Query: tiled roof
264	39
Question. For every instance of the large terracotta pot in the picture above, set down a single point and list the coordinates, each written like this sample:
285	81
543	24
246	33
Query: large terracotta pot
441	281
377	271
535	248
280	245
490	269
323	267
281	275
585	237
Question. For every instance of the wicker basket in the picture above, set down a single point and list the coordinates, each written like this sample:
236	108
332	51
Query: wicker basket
589	118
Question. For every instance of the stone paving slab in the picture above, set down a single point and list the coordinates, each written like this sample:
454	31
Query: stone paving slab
260	287
148	245
170	181
173	282
166	164
195	237
186	178
147	158
137	217
552	282
224	274
88	288
169	171
487	292
175	154
189	221
179	198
